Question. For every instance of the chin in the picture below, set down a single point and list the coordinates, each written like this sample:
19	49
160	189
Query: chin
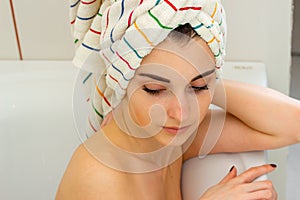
177	139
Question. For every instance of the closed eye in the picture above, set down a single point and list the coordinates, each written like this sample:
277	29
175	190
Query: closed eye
197	89
151	91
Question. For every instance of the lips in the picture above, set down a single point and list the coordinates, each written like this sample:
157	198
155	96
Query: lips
175	130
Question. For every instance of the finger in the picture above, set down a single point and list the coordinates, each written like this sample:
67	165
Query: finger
231	174
261	194
265	185
254	172
259	185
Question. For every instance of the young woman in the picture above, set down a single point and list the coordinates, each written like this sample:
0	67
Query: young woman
156	110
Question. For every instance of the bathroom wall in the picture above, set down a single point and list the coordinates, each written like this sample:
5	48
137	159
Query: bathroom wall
261	31
43	29
257	31
9	49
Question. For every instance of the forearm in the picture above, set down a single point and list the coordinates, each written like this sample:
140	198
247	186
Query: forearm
262	109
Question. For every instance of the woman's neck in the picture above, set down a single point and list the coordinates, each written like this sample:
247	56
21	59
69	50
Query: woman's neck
128	142
123	152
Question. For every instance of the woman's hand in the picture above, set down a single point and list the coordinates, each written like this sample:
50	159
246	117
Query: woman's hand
243	187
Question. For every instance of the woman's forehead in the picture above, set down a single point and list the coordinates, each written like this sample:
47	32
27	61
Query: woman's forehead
193	54
168	64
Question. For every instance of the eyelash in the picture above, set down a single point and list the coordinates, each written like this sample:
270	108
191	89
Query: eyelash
156	92
152	92
198	89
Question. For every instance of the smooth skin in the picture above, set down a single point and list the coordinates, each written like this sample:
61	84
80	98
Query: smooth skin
266	118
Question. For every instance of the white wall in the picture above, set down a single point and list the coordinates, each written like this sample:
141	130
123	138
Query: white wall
261	31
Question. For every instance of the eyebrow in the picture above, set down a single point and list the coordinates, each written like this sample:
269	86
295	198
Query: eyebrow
159	78
153	76
204	74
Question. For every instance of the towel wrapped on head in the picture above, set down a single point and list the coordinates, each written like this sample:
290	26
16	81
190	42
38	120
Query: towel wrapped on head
113	36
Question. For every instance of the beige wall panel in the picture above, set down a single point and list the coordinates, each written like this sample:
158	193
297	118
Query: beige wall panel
8	49
44	29
261	31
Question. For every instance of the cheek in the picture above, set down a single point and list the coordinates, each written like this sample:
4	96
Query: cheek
203	104
139	107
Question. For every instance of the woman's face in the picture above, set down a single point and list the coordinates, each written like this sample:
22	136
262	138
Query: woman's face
172	90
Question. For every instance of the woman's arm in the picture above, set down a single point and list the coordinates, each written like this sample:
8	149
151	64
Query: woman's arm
258	113
257	118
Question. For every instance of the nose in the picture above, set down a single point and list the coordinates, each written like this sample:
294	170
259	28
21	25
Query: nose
178	108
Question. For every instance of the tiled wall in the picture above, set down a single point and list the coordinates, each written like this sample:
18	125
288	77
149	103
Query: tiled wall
43	29
255	31
8	49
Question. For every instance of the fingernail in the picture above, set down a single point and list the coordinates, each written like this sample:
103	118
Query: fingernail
231	168
273	165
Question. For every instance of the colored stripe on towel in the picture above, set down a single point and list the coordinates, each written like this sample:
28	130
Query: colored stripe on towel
88	3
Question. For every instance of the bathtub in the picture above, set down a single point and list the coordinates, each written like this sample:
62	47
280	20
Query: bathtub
37	132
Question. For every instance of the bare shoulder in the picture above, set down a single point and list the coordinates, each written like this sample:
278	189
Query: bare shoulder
86	178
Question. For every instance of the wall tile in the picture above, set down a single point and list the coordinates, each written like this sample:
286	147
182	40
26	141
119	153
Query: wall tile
44	29
8	50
